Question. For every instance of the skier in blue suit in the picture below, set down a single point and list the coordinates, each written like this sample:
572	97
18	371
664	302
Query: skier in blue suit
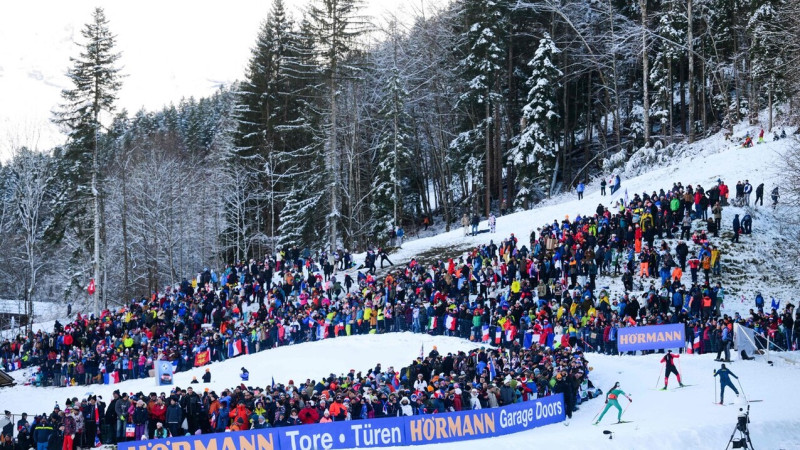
725	380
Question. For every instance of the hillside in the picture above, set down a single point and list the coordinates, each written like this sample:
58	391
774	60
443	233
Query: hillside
680	418
753	264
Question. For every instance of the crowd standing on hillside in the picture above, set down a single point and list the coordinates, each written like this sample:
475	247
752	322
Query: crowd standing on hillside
432	384
542	294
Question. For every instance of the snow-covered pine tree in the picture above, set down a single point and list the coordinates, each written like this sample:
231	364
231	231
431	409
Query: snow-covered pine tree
96	80
393	157
669	30
335	26
298	219
536	149
767	29
260	110
302	139
482	45
722	22
258	95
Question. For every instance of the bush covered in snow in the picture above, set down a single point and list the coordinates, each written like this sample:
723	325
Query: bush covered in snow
643	159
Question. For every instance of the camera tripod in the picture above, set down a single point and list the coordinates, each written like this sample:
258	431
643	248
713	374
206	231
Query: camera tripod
743	441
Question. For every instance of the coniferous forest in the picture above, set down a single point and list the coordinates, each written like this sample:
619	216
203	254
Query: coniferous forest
341	130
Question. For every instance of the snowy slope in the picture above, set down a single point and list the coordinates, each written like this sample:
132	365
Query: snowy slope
675	419
298	362
681	418
703	162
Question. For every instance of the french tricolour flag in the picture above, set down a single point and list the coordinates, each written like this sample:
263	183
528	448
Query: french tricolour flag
450	323
510	334
322	331
485	331
111	378
235	348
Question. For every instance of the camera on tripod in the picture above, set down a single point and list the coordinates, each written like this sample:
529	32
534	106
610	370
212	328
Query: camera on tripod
743	441
742	421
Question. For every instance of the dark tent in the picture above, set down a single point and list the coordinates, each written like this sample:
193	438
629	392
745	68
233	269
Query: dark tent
6	379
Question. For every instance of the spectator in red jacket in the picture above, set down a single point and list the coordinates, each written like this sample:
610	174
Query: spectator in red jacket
240	418
309	414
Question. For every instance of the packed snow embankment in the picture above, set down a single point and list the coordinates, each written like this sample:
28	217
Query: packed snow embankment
679	418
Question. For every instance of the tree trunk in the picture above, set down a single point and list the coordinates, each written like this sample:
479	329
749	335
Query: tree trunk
565	145
487	183
396	176
498	154
769	125
703	94
682	81
333	161
645	75
690	39
126	280
737	80
588	137
96	201
671	105
617	104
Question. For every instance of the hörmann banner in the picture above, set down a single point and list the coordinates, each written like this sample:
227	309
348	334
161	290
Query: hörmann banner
376	433
653	337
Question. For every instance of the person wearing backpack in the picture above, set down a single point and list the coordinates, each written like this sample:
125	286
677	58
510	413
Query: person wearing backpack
727	340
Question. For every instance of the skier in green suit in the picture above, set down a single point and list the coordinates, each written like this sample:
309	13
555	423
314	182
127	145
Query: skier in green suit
612	399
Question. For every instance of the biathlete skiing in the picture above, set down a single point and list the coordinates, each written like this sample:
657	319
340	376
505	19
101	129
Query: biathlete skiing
725	380
668	358
612	399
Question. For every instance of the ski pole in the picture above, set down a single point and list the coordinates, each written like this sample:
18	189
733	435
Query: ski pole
659	377
740	387
598	413
626	408
680	368
715	391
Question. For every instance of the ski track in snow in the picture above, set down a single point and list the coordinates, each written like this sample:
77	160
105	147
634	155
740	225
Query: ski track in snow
683	418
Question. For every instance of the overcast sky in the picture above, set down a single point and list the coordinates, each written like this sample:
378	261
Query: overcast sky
170	49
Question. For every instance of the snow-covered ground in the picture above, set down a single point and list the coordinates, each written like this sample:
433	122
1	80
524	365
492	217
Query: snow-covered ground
678	418
681	418
309	360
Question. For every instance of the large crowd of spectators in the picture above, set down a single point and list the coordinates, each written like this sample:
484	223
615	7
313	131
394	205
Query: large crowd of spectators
431	384
528	297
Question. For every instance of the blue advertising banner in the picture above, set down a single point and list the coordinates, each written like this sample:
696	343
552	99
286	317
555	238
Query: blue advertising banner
339	435
653	337
485	423
375	433
242	440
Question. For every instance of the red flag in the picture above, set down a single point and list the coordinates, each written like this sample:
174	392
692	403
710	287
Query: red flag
202	358
91	287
